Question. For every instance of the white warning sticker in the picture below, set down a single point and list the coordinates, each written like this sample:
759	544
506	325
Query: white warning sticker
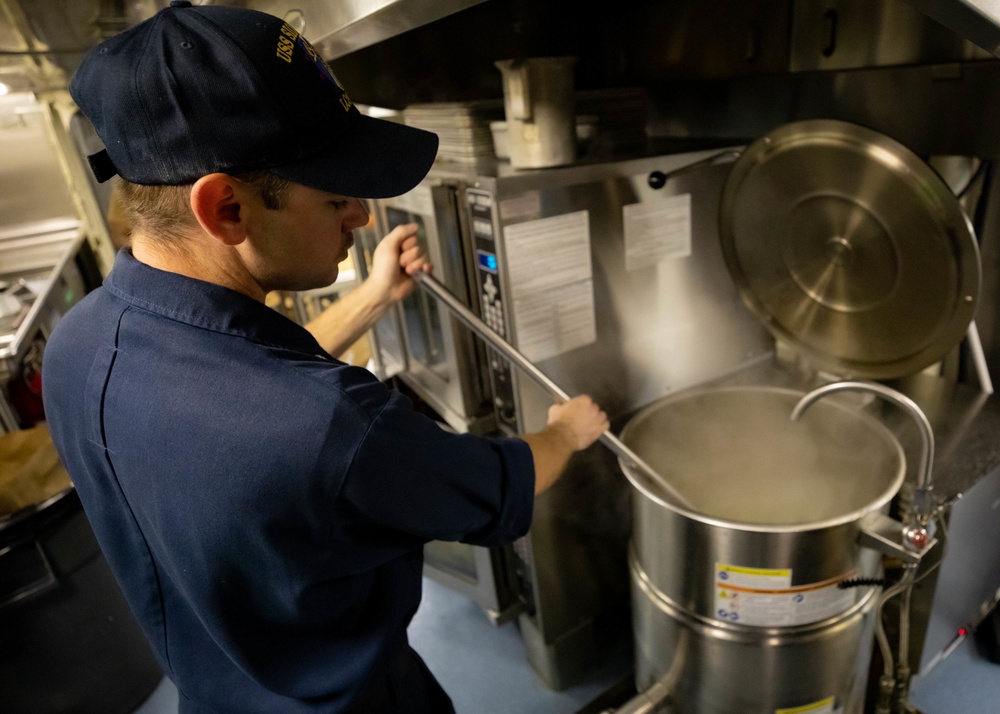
552	286
656	231
765	597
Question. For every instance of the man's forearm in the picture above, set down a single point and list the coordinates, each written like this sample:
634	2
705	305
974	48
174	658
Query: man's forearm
345	321
551	451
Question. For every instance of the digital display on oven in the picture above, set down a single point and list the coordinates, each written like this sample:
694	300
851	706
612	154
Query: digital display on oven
487	261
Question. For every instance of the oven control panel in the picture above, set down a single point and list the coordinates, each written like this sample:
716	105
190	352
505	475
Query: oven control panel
480	208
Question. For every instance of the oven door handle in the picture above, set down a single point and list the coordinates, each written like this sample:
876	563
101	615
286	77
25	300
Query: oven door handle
471	320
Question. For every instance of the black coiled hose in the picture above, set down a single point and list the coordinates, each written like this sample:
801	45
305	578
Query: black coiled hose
863	582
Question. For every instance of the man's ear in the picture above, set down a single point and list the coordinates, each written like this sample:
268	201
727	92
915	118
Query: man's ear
216	201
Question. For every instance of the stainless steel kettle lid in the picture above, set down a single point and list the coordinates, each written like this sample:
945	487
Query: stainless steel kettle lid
850	248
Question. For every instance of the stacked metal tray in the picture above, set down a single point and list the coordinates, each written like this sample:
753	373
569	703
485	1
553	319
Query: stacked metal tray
463	128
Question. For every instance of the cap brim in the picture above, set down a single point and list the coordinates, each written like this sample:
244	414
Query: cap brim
374	158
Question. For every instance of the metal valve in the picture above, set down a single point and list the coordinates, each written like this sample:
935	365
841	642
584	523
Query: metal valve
915	538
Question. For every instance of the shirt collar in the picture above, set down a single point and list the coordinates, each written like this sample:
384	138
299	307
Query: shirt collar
205	305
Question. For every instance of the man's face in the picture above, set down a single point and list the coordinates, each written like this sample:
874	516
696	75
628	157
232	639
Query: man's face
300	245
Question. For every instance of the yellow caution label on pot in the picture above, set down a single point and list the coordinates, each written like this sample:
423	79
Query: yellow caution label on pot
754	577
825	706
765	597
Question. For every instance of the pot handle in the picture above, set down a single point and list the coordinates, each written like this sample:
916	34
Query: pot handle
888	536
520	94
658	179
517	95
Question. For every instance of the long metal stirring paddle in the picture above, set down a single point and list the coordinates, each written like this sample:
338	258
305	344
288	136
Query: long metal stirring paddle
470	319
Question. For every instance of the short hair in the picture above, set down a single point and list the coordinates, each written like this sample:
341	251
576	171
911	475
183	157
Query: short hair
163	213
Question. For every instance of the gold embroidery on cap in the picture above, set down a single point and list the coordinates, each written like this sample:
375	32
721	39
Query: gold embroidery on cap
310	50
286	42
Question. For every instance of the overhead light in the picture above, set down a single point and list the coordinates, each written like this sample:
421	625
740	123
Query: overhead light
380	112
3	89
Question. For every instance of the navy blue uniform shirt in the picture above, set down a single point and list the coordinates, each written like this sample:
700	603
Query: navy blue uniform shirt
262	505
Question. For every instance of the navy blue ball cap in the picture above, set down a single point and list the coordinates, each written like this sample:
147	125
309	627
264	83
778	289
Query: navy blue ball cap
196	90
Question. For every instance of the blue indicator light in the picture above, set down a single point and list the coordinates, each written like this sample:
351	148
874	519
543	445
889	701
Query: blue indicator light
488	261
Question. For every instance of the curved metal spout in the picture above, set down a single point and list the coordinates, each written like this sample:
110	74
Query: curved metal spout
915	538
923	504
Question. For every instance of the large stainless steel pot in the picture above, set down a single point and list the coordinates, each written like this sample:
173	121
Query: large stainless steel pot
712	668
778	510
538	105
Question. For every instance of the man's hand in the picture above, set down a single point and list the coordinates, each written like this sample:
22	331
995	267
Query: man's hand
580	420
572	426
397	257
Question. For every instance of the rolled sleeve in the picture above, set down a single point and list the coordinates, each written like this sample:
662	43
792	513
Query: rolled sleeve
412	476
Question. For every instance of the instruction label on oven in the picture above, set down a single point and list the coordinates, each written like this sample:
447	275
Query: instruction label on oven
551	281
765	597
657	230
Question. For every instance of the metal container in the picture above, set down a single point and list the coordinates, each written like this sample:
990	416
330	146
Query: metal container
724	669
538	104
743	587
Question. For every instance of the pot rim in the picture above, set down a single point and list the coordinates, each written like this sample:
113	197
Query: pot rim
855	515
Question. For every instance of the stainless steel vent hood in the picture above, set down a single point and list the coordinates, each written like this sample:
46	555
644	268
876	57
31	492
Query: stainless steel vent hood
976	20
339	28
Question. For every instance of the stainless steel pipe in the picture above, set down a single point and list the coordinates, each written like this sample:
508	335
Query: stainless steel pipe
471	320
895	681
924	503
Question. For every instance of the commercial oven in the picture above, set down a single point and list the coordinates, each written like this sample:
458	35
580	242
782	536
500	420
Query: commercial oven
443	364
613	288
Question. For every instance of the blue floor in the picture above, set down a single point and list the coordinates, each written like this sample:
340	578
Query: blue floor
484	670
483	667
163	700
962	683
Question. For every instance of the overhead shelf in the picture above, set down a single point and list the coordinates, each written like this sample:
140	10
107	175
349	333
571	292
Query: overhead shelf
339	28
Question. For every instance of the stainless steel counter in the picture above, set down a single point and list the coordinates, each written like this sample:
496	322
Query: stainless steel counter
30	266
39	281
